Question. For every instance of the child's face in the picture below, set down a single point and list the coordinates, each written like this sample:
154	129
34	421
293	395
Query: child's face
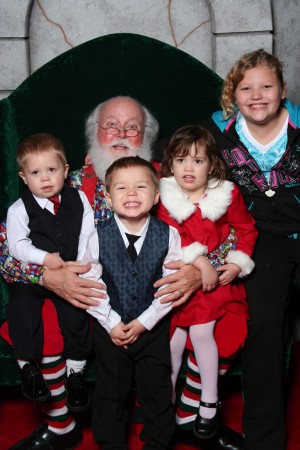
258	95
132	194
44	173
191	172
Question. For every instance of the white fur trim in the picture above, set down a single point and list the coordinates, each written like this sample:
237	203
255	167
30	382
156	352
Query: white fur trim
213	206
242	260
175	200
192	251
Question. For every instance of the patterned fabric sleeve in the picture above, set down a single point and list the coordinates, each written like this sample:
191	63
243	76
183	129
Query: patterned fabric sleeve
218	257
79	179
13	270
75	179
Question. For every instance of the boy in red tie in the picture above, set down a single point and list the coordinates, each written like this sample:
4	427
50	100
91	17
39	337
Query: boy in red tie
48	225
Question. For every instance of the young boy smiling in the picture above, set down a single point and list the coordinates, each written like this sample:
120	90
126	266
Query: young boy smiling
133	339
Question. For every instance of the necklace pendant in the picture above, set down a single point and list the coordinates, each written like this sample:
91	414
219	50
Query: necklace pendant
270	192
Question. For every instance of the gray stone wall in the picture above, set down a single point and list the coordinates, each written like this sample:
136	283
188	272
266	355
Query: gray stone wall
286	22
14	48
216	32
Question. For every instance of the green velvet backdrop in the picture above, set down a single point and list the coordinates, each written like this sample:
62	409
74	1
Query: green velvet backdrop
175	87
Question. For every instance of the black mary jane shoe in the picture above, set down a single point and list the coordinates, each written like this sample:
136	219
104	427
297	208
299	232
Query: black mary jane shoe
207	428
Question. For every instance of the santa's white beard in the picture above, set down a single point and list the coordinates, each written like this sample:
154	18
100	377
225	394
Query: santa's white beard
102	156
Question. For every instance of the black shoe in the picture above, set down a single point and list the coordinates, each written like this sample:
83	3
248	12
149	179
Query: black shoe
44	439
230	440
33	384
225	439
207	428
78	397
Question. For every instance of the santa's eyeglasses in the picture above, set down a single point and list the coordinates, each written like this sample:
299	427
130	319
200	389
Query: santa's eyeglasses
114	131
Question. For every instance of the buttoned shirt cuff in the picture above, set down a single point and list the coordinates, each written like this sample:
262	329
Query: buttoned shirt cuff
152	315
105	315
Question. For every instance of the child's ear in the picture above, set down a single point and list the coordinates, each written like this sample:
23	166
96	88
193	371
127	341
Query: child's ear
21	175
108	199
66	170
156	197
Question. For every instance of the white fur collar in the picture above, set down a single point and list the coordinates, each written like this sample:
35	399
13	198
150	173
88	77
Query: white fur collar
213	206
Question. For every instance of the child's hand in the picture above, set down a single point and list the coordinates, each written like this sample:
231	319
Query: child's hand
228	273
133	330
117	334
53	261
210	278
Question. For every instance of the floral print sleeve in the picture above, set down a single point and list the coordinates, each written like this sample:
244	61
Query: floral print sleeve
218	257
86	180
13	270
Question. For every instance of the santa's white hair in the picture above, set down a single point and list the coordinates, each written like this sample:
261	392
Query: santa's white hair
102	159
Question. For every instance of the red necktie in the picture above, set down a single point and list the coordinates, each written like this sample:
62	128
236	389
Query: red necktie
55	201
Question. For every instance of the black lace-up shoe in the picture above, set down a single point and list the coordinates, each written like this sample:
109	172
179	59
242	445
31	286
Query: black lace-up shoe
78	397
33	384
44	439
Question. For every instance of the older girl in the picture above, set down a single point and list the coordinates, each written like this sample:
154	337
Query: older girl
258	137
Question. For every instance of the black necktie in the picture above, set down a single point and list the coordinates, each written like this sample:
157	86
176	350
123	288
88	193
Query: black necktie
132	238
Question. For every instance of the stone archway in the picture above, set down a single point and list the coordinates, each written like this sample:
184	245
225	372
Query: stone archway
214	31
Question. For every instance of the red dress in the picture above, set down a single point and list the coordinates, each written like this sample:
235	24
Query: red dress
209	224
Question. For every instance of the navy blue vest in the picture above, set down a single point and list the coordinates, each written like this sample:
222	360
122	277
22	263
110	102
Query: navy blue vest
130	285
59	233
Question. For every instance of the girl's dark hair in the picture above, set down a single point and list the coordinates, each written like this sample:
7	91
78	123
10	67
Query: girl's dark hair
181	143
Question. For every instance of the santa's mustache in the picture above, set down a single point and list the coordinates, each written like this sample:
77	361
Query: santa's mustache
119	142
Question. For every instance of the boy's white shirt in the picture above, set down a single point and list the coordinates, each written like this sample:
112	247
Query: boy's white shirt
109	318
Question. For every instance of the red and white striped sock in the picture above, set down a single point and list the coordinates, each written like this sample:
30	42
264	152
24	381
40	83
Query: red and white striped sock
57	415
188	405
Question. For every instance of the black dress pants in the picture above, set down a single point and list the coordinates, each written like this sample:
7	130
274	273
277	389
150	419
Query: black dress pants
148	362
24	316
277	265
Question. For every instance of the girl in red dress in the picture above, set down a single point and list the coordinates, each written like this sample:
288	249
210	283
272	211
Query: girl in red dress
204	207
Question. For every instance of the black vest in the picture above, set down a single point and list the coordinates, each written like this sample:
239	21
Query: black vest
130	285
56	233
